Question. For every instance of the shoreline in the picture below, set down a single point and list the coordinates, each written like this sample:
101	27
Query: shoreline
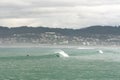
54	46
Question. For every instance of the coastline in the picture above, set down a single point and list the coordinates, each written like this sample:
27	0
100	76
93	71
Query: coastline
25	45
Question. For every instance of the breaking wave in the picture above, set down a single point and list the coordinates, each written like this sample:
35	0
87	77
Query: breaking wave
61	53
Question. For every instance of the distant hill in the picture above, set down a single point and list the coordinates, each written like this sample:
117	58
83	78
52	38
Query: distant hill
103	30
44	35
5	31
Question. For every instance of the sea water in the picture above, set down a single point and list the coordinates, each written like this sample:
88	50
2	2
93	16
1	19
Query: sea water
36	63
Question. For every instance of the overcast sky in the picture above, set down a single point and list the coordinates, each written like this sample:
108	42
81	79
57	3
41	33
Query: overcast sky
59	13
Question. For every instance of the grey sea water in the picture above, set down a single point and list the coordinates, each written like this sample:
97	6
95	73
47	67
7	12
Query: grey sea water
35	63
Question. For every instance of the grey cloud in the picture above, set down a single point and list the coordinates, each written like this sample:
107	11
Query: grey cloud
58	13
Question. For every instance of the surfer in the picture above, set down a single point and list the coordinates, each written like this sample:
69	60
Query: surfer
27	55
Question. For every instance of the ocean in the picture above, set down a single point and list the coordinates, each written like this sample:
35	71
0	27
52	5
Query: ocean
39	63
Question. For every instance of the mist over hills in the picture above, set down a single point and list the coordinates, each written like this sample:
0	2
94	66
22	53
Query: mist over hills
92	35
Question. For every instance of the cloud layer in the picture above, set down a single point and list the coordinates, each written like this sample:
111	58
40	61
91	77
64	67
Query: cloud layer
59	13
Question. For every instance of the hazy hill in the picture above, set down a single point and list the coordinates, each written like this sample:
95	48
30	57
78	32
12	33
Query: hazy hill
93	35
101	30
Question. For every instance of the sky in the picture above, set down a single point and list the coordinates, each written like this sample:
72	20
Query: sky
59	13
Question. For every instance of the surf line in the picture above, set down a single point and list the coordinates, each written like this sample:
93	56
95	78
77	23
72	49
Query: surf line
100	51
62	54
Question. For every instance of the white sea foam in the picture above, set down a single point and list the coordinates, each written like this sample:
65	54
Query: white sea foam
100	51
61	53
85	48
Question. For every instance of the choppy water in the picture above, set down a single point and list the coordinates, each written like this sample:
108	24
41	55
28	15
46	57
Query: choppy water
43	64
